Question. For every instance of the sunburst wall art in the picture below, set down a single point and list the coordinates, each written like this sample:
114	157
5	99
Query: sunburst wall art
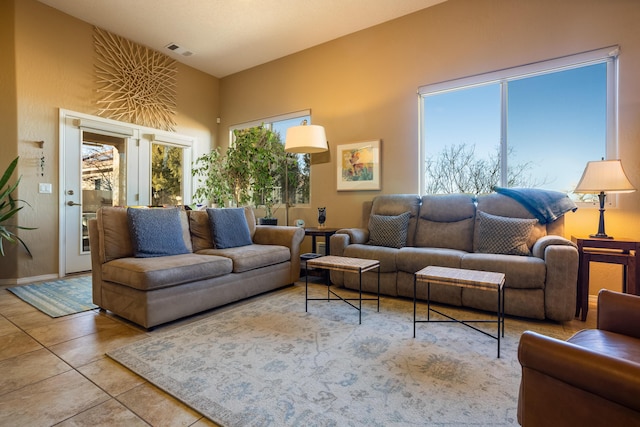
136	84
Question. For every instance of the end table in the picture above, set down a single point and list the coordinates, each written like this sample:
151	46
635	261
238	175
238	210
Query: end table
612	251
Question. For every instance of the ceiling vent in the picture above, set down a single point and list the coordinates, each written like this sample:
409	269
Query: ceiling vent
178	49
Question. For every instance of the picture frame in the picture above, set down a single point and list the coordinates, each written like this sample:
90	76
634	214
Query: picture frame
358	166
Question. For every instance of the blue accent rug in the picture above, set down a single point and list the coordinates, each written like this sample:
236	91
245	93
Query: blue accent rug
60	297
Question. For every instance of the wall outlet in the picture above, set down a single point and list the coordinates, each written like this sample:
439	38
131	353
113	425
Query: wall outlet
45	188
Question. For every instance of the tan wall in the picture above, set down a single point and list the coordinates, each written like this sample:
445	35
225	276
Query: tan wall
54	60
363	86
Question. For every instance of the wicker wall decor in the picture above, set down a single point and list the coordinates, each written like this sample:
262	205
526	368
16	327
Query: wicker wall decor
137	84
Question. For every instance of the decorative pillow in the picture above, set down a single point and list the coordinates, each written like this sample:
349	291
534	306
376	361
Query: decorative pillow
229	227
502	235
389	230
156	232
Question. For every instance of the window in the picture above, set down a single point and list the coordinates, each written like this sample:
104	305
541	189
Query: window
298	165
167	175
530	126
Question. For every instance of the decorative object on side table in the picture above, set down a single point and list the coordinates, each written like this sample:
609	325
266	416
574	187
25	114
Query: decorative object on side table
322	217
604	176
359	166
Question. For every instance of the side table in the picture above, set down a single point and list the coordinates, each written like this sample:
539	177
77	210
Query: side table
320	232
612	251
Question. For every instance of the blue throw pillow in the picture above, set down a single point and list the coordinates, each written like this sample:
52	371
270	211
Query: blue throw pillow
229	228
156	232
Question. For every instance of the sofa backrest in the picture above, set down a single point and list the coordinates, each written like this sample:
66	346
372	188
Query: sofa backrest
114	235
446	221
396	204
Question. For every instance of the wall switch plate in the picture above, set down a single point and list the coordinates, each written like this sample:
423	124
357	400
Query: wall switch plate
45	188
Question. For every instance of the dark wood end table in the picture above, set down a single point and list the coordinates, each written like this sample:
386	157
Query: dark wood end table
612	251
315	232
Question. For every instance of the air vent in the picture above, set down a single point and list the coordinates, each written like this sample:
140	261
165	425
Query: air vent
178	49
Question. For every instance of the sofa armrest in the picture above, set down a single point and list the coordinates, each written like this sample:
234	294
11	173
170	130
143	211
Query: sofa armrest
345	237
290	237
540	246
556	374
619	313
561	280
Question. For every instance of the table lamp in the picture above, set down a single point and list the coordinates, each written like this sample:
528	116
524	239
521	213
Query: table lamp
601	177
303	139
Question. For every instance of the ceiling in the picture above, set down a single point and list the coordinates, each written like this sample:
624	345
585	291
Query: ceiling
228	36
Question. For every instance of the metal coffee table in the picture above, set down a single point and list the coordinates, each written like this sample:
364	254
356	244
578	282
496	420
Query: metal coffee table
474	279
350	265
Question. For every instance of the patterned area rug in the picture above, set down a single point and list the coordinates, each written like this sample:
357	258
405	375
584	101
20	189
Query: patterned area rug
268	363
60	297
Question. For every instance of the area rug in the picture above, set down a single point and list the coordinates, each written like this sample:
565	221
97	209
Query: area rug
60	297
268	363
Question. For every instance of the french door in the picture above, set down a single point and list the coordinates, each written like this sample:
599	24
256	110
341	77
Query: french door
108	163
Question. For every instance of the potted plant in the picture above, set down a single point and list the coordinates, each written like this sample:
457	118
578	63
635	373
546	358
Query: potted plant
211	171
251	170
9	208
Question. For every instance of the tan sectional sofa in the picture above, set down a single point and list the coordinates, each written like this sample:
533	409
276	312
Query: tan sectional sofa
155	290
453	231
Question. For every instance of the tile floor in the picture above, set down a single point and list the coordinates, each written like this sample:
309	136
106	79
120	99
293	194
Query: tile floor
54	372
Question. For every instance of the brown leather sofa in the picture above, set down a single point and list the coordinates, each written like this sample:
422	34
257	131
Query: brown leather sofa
593	378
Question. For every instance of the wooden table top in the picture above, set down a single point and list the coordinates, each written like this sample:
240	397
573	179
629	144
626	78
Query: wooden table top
340	263
476	279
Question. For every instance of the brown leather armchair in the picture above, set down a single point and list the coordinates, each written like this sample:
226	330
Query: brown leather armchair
593	378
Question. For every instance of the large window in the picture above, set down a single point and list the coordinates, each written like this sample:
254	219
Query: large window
530	126
298	165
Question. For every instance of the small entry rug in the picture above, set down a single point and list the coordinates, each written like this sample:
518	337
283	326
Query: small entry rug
60	297
266	362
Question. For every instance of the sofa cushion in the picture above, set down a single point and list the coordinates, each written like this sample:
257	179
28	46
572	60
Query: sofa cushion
396	204
386	256
609	343
156	232
520	272
159	272
501	205
446	221
229	227
252	256
412	259
389	230
113	229
502	235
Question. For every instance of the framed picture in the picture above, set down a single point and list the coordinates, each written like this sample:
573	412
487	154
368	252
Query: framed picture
359	166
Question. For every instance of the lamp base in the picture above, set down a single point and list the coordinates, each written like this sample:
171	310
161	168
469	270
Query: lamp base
600	236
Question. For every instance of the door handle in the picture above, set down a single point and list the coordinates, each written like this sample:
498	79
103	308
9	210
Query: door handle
72	203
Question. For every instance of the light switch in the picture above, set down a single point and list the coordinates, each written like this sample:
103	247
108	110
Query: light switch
45	188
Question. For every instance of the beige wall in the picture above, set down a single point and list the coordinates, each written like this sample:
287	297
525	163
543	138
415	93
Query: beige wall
363	86
54	61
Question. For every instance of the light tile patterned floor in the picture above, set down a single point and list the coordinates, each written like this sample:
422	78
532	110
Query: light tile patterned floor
55	372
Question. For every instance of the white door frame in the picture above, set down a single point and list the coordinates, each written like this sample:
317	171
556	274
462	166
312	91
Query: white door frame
138	163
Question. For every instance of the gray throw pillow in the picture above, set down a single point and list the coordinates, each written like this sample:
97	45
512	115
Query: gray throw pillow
156	232
389	230
502	235
229	228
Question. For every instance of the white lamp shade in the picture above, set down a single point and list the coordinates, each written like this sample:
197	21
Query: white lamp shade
305	139
604	176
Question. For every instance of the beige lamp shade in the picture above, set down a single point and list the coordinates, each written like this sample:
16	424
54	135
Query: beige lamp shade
604	176
305	139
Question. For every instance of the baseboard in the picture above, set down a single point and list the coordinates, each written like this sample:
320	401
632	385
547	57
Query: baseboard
27	280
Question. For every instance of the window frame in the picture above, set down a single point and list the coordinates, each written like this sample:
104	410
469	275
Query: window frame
608	55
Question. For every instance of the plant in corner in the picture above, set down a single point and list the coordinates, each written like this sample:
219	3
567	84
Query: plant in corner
212	176
9	208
